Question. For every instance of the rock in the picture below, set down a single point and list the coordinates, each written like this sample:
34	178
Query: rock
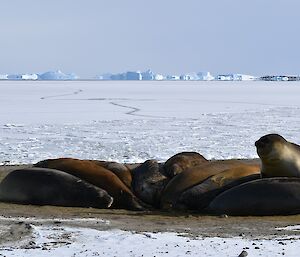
243	254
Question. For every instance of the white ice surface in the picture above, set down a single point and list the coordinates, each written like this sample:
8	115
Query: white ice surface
135	121
70	241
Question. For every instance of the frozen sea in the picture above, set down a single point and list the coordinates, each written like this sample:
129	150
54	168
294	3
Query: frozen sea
134	121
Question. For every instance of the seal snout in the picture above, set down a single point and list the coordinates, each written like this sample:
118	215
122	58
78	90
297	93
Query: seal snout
258	144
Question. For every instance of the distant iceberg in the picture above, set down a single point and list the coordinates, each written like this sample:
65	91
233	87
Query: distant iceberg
205	75
235	77
57	75
3	76
29	77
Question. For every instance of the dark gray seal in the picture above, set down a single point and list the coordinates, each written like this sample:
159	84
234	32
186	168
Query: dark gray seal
39	186
98	176
279	157
148	182
182	161
269	196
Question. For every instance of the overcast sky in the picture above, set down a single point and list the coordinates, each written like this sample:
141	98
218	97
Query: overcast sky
168	36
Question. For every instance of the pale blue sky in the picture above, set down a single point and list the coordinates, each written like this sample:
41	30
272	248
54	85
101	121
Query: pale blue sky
94	36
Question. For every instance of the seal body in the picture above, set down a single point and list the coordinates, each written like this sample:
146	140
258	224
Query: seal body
279	157
98	176
182	161
119	169
41	186
192	177
269	196
198	197
148	182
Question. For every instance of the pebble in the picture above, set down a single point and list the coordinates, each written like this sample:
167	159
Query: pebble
243	254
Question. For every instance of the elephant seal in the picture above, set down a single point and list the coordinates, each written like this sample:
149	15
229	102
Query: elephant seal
148	182
194	176
182	161
39	186
198	197
279	157
119	169
98	176
268	196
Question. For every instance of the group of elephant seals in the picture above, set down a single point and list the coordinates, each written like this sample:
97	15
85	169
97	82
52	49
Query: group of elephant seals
40	186
98	176
148	182
200	196
268	196
187	180
279	157
194	176
182	161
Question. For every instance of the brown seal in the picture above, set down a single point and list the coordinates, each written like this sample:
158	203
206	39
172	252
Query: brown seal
182	161
198	197
119	169
268	196
148	182
194	176
98	176
279	157
41	186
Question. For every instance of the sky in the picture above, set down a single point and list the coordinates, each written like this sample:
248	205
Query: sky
91	37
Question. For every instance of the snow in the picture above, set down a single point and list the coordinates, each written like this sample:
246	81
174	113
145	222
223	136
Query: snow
135	121
59	240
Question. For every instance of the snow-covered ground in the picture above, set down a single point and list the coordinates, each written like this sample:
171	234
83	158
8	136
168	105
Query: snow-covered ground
135	121
132	122
57	240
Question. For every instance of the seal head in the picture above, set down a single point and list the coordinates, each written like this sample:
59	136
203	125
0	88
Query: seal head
279	157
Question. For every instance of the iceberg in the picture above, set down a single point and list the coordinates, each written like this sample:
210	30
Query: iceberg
14	76
235	77
172	77
205	75
57	75
148	75
29	76
189	76
133	75
104	76
3	76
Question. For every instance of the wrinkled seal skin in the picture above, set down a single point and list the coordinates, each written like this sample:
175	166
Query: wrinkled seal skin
148	182
279	157
39	186
192	177
269	196
182	161
199	197
119	169
98	176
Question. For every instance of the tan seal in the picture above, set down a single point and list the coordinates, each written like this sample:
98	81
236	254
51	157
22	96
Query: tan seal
119	169
194	176
279	157
198	197
182	161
